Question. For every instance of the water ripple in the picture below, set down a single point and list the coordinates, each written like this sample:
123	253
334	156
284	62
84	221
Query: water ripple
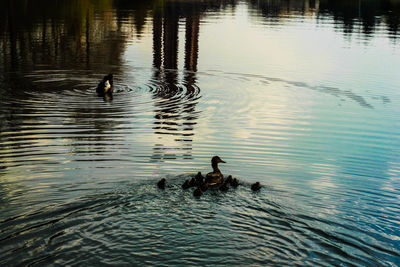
238	220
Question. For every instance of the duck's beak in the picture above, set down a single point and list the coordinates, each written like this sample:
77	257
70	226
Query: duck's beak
222	161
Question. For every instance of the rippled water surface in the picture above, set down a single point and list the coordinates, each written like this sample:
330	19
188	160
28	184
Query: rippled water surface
302	96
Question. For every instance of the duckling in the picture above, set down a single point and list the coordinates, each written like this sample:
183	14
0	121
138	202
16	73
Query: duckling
197	192
186	184
199	178
161	183
189	183
204	187
215	177
229	179
192	182
105	87
224	187
256	186
235	183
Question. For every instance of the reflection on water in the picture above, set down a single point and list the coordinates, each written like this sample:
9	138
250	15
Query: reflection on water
299	95
175	116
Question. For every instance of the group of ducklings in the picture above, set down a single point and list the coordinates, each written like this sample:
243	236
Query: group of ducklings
214	179
202	184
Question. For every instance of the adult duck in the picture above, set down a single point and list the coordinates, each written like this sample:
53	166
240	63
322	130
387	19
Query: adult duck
105	87
215	177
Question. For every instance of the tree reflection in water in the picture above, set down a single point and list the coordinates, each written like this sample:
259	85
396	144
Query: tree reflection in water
87	34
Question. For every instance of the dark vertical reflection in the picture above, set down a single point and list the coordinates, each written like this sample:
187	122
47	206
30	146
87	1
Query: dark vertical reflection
392	17
191	57
191	51
175	105
170	43
192	42
12	32
157	36
311	4
87	39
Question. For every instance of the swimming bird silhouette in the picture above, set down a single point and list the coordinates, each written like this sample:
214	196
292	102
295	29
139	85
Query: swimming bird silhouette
215	177
106	87
256	186
199	179
161	183
234	183
197	192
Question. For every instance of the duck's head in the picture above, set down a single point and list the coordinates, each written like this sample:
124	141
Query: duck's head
108	82
105	87
214	163
108	77
216	160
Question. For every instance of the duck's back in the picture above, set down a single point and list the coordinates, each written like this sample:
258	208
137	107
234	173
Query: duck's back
214	178
100	89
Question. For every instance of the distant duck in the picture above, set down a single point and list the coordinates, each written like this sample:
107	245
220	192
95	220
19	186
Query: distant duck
215	177
161	183
256	186
105	87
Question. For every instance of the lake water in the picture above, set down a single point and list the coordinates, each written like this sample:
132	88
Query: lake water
302	96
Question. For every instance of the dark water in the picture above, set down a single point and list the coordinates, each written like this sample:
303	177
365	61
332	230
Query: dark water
302	96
